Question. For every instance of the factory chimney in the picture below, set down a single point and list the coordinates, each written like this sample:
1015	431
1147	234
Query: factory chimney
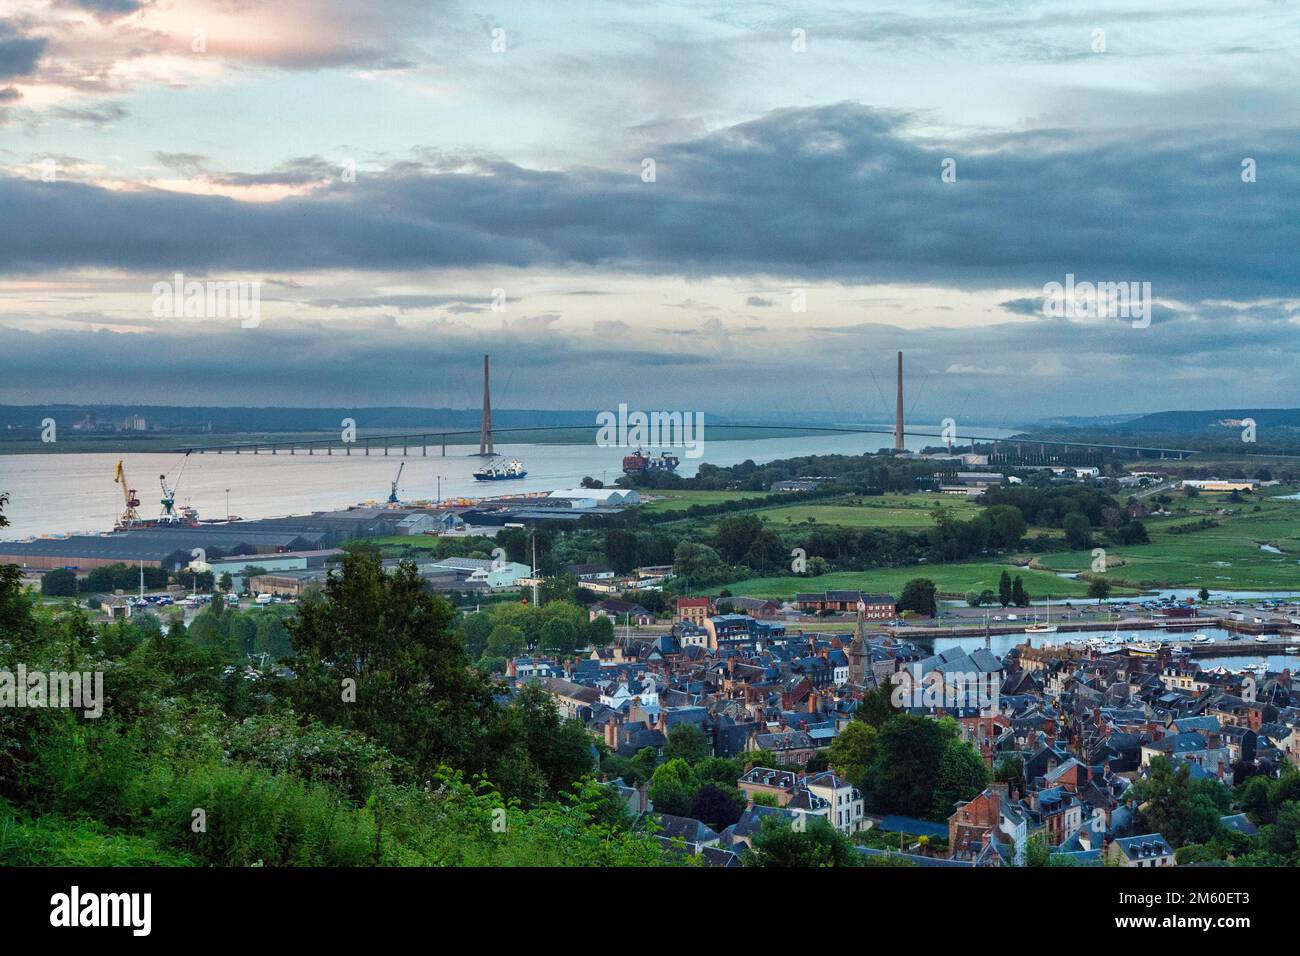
898	412
485	435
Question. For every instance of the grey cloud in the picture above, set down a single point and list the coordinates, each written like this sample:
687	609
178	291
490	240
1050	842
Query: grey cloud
106	9
453	303
837	192
189	164
19	54
287	362
101	115
1055	367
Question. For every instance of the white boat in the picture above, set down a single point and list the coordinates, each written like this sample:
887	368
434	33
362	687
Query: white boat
1263	639
1048	627
1202	639
501	470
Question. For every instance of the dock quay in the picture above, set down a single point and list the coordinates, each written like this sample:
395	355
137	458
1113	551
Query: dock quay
1288	635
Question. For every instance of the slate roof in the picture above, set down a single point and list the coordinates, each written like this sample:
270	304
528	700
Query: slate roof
684	828
912	827
1144	847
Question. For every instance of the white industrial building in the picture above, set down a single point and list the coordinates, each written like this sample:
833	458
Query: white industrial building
598	497
492	574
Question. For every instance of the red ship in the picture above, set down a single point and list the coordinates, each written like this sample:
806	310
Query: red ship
640	463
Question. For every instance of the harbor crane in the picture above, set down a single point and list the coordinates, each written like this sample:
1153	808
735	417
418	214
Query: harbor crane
392	492
169	514
130	514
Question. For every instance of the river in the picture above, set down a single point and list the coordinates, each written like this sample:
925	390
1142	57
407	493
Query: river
67	493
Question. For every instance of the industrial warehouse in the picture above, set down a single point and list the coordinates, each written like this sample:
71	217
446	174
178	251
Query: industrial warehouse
170	546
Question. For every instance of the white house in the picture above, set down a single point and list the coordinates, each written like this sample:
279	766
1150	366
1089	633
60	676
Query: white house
847	809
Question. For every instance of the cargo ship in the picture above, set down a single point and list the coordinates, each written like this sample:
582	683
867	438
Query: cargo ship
640	463
501	471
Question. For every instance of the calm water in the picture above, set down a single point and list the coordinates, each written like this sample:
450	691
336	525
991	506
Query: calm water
56	493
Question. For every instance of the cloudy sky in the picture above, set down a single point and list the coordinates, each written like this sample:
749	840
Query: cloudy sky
741	208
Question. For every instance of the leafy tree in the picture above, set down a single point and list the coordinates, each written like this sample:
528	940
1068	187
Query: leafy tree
559	636
820	844
1099	589
720	770
600	632
1008	525
621	549
697	563
539	753
673	787
60	582
415	692
1183	810
1283	837
506	640
1004	588
918	595
687	742
759	758
1256	796
903	775
1078	530
735	535
852	750
241	633
273	637
1010	770
876	707
1019	597
716	806
475	628
961	776
206	630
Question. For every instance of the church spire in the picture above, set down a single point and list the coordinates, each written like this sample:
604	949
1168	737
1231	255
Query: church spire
858	656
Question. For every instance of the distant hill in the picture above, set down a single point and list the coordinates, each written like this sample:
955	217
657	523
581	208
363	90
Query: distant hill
220	419
1208	422
1083	421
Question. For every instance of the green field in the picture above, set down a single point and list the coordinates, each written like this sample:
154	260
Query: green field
951	578
910	512
1226	557
681	500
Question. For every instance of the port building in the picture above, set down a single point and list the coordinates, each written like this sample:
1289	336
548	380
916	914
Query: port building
171	546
